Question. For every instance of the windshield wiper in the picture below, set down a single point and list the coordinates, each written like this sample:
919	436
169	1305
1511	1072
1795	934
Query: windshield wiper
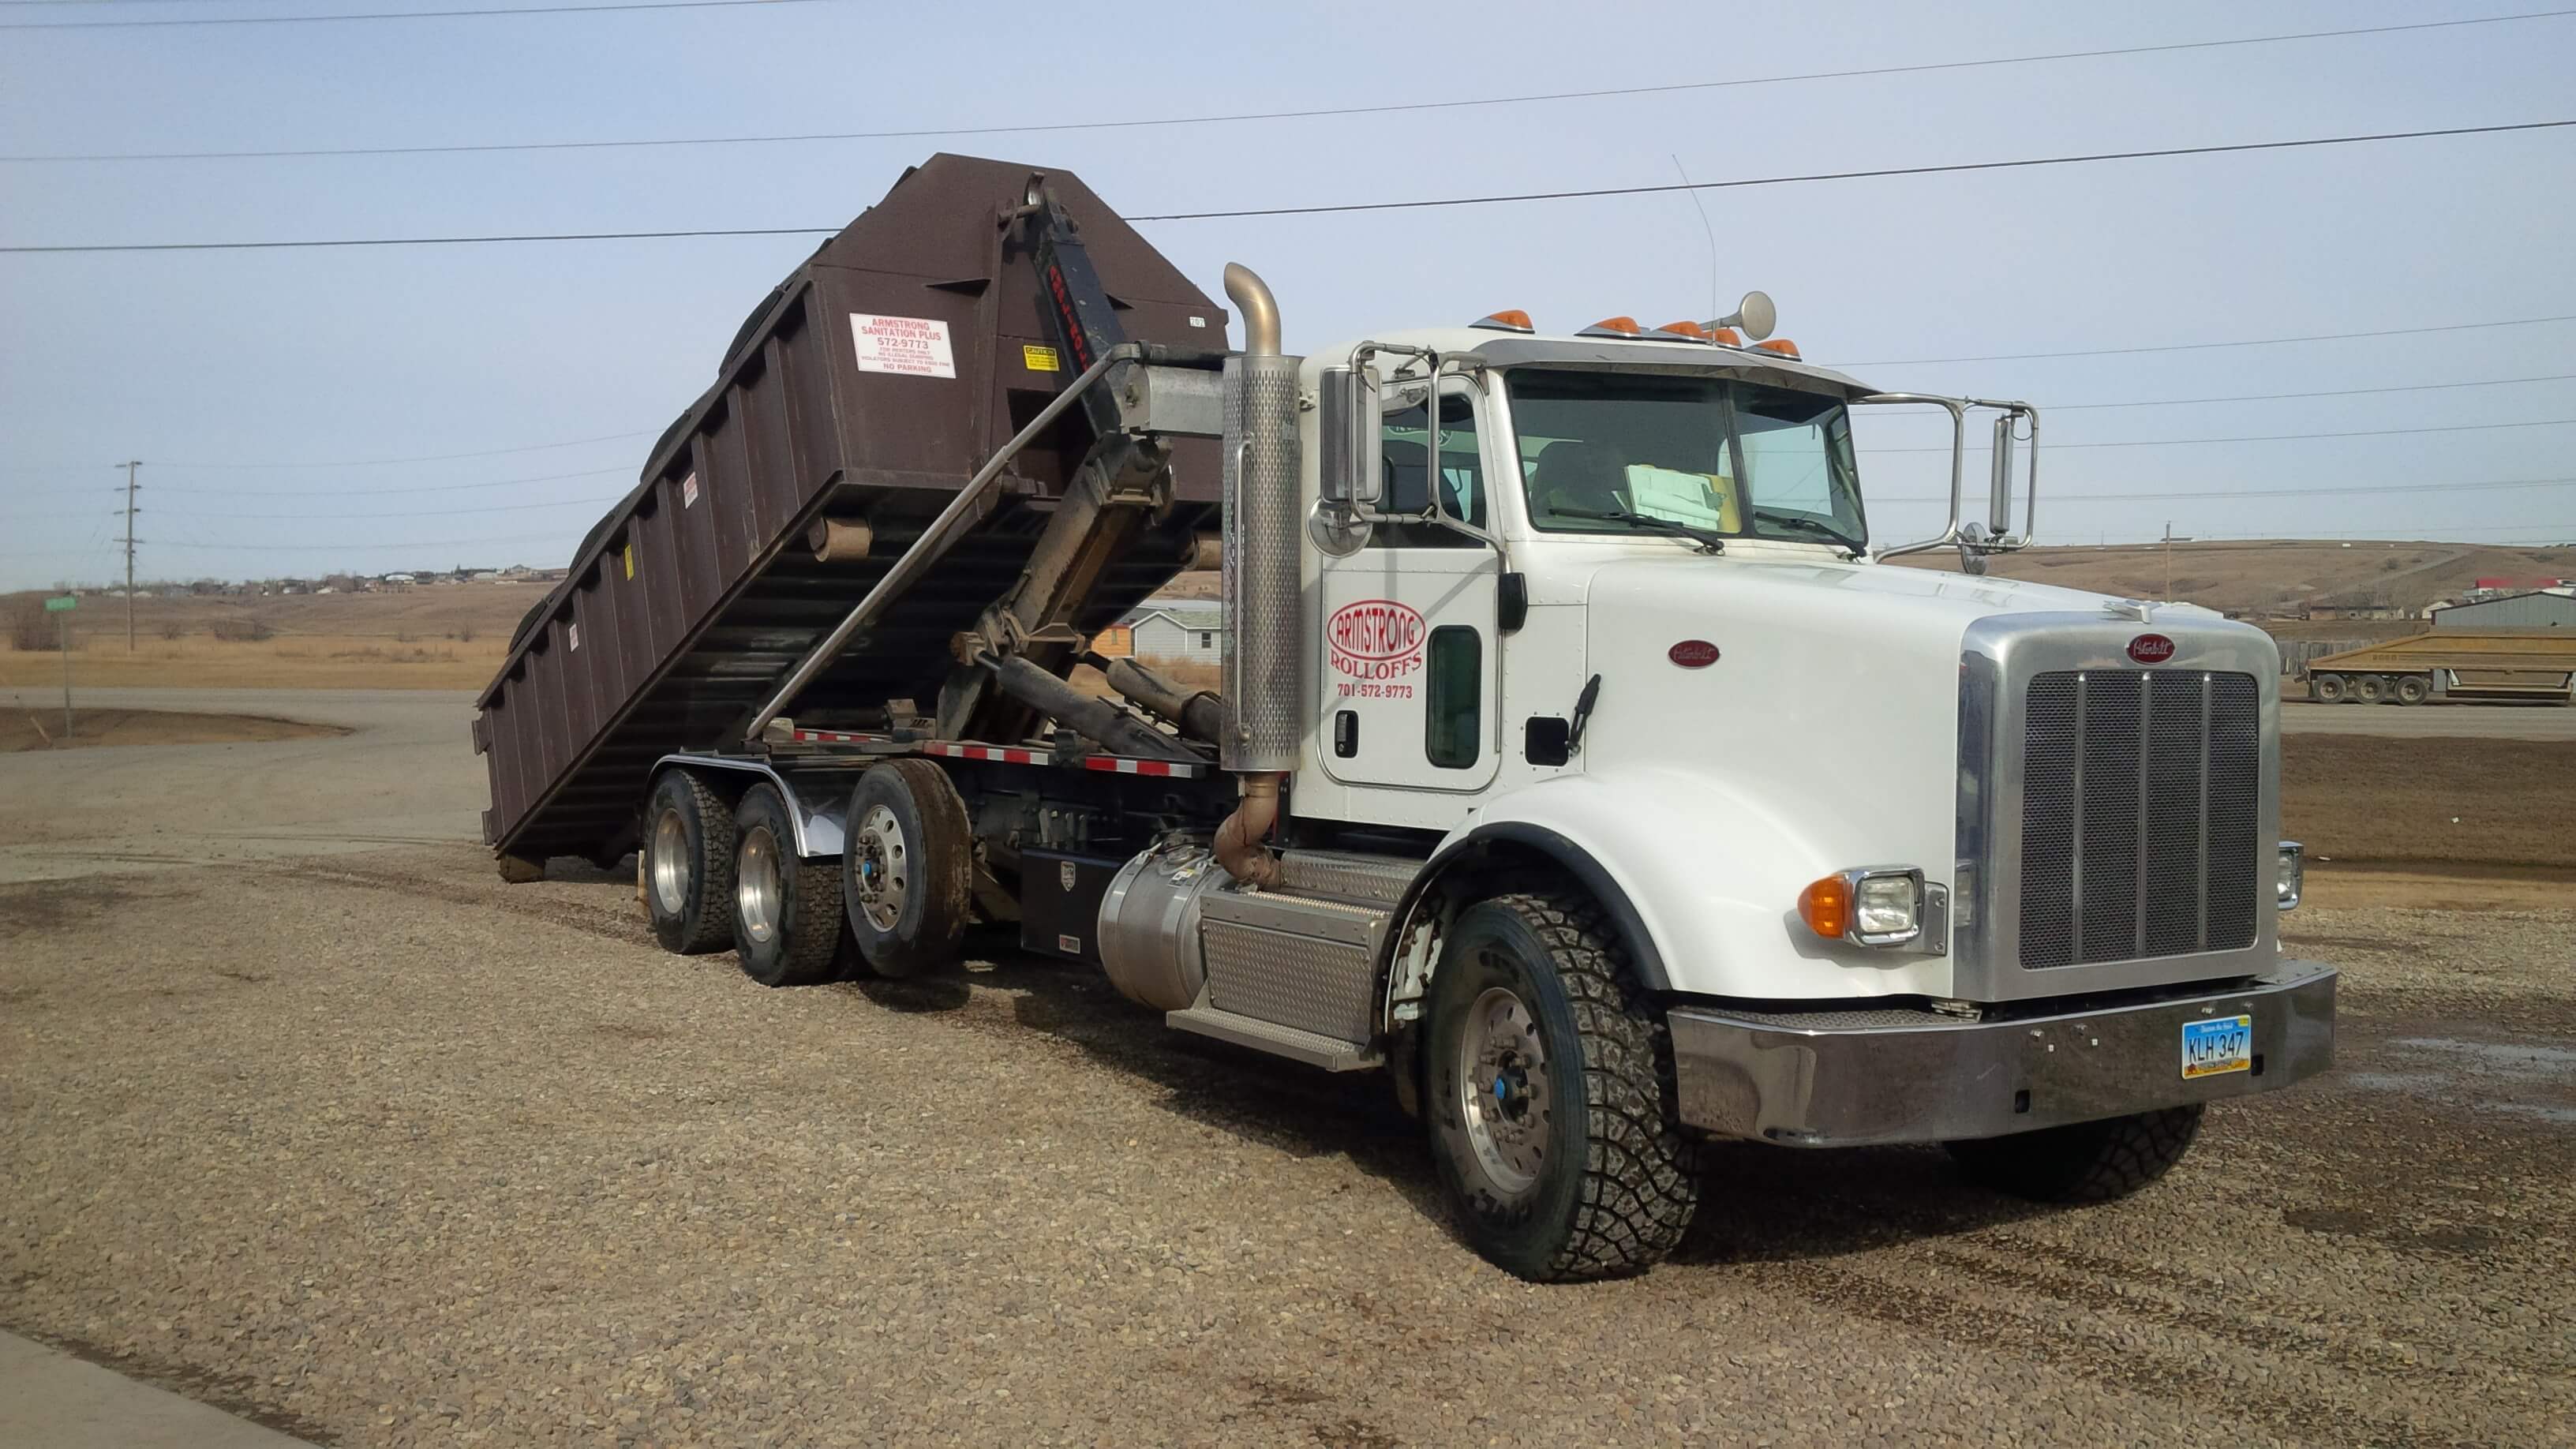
1799	522
1708	542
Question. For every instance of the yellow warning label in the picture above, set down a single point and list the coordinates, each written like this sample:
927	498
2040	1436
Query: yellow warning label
630	560
1038	359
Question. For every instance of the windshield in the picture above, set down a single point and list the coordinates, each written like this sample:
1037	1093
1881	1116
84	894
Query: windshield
1730	458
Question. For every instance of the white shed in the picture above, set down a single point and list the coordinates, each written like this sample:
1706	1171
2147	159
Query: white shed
1196	636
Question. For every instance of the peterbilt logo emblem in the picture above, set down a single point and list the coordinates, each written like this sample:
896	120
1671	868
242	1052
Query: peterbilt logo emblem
1064	874
1375	638
2151	649
1693	654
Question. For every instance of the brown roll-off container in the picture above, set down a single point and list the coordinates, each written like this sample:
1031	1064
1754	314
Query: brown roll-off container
866	390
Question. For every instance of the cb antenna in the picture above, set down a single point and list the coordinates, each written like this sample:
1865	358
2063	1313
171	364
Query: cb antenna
1690	189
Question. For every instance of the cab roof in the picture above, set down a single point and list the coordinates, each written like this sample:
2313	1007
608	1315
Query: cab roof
1514	349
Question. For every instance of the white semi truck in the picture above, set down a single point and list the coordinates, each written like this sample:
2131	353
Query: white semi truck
1579	760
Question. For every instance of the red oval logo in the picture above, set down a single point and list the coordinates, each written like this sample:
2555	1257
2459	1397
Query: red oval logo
1375	639
2151	649
1693	654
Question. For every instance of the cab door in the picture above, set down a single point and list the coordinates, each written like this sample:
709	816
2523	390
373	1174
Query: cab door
1409	650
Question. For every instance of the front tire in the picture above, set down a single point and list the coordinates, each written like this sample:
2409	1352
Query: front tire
1550	1075
786	910
688	865
907	867
2085	1161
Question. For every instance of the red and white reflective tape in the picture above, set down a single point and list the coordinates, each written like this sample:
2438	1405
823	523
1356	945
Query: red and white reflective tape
1112	764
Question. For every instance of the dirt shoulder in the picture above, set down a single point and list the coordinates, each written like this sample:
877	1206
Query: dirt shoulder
22	729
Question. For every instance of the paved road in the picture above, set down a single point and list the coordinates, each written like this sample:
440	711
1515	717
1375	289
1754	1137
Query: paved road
346	1131
51	1400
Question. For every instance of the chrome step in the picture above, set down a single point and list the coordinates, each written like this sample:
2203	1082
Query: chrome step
1313	1048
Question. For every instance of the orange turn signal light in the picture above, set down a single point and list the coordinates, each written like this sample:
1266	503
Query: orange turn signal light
1691	330
1612	327
1726	336
1826	907
1781	345
1510	319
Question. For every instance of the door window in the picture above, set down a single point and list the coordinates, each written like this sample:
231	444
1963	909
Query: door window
1411	476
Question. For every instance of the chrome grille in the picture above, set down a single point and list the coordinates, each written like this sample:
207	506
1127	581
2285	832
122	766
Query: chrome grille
2139	795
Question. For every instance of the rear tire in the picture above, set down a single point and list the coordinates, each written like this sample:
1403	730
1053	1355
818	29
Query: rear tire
1549	1078
2370	689
786	910
2085	1162
688	865
2329	689
2413	689
907	867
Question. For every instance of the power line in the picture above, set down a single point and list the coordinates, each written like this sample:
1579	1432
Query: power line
2337	491
379	492
2204	346
420	543
394	15
2268	437
2178	402
1239	117
425	457
1942	169
416	513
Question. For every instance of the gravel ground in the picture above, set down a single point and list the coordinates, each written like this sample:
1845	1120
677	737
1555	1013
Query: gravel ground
385	1152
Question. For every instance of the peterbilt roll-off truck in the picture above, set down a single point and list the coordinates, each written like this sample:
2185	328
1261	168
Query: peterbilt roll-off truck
1577	761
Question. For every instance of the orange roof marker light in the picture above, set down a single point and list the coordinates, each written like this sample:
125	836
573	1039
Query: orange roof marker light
1685	331
1511	319
1782	346
1613	327
1722	335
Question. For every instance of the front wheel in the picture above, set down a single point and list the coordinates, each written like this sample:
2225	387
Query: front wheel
1549	1078
2085	1161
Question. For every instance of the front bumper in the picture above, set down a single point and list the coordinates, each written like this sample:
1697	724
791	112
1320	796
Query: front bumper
1846	1078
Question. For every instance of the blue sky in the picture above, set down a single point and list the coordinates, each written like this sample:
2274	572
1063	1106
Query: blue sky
197	359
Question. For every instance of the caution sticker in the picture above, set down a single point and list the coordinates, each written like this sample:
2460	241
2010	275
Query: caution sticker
1038	359
630	560
912	346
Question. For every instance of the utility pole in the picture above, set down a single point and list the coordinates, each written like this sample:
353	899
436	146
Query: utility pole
2168	561
129	467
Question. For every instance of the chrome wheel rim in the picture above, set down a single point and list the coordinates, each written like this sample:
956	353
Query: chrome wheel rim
671	863
880	868
1503	1090
756	892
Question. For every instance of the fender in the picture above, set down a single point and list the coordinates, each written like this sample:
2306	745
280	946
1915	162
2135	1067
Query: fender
1578	862
1700	876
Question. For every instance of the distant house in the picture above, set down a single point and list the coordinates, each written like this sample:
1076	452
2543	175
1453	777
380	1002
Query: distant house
1191	634
403	581
488	576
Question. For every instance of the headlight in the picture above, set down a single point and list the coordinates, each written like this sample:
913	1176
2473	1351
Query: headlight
1880	906
1889	905
2290	875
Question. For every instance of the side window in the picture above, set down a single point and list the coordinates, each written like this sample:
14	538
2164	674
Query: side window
1454	732
1411	475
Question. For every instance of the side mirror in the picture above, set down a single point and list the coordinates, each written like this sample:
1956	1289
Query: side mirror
1350	417
1999	500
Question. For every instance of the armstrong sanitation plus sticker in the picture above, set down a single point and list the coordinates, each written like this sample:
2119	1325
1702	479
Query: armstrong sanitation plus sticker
913	346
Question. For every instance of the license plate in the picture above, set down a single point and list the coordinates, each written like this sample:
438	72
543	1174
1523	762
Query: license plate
2215	1047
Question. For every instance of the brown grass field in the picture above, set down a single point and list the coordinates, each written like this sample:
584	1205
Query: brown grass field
448	637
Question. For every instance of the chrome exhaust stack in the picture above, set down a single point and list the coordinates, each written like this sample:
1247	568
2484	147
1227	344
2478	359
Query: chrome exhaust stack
1261	695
